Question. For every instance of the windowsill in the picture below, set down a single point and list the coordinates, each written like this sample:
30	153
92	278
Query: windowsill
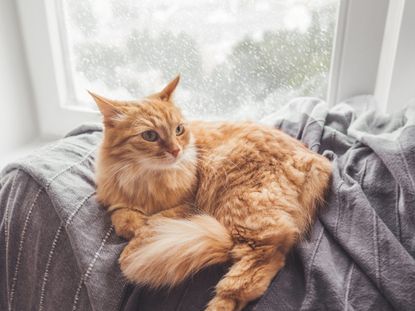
23	151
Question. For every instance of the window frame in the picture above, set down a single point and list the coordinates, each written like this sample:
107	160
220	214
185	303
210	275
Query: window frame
396	64
357	49
39	25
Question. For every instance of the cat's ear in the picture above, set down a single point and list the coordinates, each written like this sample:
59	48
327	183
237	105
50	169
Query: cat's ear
167	93
111	110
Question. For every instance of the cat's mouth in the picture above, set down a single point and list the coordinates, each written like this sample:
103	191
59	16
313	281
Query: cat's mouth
169	159
166	161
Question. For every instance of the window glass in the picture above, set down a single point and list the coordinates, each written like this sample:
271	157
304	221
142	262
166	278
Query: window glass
238	59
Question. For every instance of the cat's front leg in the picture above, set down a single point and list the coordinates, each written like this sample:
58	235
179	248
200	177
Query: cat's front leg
127	221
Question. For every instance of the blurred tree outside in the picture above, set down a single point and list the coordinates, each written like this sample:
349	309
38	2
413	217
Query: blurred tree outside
266	70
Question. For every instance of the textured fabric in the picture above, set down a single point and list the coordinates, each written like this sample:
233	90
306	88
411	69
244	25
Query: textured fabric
360	254
58	250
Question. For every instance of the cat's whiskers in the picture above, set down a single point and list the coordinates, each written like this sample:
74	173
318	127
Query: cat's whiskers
123	175
118	170
187	160
208	162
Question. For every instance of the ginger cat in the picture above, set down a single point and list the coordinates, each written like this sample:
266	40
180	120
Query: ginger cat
189	195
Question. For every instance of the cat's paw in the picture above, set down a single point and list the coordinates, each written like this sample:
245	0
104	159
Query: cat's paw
127	222
142	236
145	232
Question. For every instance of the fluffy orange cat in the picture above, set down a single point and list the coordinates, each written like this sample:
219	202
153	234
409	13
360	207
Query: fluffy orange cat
189	195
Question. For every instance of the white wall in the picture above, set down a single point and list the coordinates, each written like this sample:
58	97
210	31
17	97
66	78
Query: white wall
18	124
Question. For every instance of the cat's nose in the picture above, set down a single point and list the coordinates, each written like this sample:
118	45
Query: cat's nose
174	152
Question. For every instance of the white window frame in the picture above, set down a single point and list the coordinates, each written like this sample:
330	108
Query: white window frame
395	86
358	48
358	43
39	24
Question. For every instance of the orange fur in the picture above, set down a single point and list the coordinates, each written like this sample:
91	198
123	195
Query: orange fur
179	247
237	191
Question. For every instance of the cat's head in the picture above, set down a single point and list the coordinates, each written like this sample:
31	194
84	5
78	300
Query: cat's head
151	132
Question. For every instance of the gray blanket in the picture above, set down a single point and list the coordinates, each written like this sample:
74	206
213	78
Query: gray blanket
58	250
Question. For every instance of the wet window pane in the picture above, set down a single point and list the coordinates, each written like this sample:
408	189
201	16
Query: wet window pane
238	59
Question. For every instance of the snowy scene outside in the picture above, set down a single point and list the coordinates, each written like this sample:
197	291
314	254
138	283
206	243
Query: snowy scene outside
238	59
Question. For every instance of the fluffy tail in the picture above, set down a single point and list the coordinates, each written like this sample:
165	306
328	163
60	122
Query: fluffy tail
177	249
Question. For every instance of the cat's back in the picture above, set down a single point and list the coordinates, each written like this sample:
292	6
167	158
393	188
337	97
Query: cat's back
243	139
241	158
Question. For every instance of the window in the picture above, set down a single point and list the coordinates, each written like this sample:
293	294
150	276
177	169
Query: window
271	51
238	58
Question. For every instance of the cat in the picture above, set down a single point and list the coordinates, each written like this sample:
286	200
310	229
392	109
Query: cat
192	194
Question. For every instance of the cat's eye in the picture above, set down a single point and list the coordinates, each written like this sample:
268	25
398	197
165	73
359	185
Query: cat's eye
150	135
179	129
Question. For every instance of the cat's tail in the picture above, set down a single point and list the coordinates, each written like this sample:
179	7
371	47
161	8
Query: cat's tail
177	249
